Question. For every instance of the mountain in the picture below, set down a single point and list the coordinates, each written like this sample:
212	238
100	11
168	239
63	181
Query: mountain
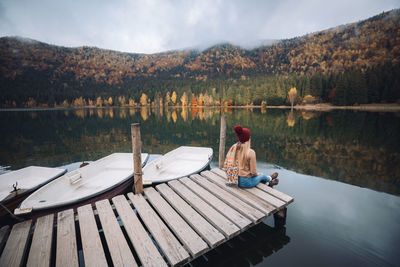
32	69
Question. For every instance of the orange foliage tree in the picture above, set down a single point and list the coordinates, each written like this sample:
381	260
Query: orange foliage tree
194	100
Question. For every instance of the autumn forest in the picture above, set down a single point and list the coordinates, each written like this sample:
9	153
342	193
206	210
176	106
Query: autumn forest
351	64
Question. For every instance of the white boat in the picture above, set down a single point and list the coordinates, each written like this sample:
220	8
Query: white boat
181	162
16	185
103	178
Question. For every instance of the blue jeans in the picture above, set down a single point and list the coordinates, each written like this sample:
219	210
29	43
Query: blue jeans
248	182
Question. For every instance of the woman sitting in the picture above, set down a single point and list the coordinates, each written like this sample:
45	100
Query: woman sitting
246	161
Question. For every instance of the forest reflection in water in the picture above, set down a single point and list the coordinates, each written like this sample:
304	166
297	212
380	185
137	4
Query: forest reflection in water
360	148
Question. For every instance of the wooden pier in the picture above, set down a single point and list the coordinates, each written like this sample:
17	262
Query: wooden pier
169	224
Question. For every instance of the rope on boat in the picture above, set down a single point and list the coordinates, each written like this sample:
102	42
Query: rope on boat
12	215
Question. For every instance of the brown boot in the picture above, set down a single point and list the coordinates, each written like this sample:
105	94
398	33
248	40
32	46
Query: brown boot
274	179
273	182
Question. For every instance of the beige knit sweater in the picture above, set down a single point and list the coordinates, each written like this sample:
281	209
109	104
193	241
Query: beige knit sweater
250	168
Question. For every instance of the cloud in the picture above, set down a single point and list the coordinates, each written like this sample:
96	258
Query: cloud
159	25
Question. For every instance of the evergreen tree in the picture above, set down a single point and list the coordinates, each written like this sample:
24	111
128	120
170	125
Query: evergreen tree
373	92
339	98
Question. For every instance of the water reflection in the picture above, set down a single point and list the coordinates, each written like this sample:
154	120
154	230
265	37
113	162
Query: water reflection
144	112
360	148
174	116
33	115
291	119
307	115
247	249
184	114
122	113
100	113
335	224
195	113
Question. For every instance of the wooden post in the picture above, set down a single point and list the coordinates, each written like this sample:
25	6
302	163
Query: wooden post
137	158
280	218
222	136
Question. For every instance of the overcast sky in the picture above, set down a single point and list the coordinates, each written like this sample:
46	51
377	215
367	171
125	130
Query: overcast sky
149	26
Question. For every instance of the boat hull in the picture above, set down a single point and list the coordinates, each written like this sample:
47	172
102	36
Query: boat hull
21	178
118	190
102	179
12	203
181	162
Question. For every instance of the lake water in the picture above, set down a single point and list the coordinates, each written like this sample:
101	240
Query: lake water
342	168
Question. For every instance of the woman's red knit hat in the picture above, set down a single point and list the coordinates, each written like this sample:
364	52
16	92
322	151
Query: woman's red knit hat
243	134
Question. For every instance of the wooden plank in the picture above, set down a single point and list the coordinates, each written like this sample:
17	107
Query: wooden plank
264	187
4	231
267	197
247	197
66	253
278	194
172	249
219	172
40	252
189	238
252	213
144	246
257	192
222	173
208	232
120	252
213	216
238	219
93	251
14	251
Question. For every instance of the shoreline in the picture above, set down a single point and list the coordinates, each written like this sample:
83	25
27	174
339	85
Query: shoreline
308	107
328	107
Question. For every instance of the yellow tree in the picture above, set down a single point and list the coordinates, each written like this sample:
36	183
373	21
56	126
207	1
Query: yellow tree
174	97
167	98
65	103
121	100
110	101
143	99
131	102
79	102
99	102
309	99
292	95
208	99
184	99
31	103
201	100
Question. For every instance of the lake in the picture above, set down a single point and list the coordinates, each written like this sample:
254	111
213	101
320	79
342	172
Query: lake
342	168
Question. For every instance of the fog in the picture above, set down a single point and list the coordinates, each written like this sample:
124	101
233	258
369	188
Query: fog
160	25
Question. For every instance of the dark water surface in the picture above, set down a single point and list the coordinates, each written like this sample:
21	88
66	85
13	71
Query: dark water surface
342	168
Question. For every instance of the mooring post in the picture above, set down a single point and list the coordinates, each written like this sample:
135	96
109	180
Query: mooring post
222	135
137	158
